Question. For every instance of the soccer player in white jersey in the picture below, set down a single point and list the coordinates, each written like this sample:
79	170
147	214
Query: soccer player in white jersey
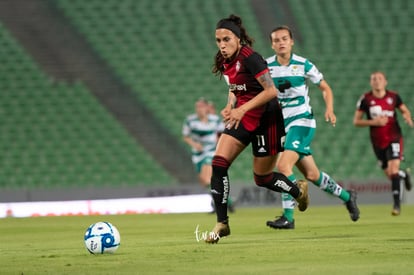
290	74
201	131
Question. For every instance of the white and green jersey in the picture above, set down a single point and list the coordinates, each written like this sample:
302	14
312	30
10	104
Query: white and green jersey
293	90
205	133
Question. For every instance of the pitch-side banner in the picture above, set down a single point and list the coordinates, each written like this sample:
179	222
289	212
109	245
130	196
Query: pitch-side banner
173	204
178	199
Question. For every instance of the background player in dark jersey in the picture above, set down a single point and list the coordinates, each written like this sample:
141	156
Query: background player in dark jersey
252	115
379	106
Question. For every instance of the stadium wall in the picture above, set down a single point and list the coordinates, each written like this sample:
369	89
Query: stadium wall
173	199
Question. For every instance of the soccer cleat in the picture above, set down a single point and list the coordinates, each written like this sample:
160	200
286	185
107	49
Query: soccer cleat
281	223
352	207
396	210
407	179
219	231
303	199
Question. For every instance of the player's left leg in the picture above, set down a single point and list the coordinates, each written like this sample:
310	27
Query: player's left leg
297	144
326	183
205	173
392	171
406	176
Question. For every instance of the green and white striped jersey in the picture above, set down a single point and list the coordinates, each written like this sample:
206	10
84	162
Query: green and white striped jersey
205	133
291	82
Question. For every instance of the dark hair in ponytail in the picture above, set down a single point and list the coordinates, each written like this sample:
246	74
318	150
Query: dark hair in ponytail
234	24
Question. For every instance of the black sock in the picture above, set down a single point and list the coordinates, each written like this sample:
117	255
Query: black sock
220	187
277	182
396	189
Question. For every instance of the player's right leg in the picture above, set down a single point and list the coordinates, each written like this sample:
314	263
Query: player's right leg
228	148
295	138
392	170
391	161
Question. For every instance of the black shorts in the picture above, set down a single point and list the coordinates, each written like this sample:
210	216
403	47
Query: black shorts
267	138
392	151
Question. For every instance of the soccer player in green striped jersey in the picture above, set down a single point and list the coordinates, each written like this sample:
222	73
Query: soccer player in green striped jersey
290	74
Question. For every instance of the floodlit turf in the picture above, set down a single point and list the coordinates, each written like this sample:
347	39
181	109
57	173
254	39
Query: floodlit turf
325	241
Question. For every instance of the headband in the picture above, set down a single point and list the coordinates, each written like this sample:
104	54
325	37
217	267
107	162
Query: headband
230	25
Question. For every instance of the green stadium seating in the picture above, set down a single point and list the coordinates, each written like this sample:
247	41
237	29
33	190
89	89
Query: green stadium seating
164	50
55	134
348	40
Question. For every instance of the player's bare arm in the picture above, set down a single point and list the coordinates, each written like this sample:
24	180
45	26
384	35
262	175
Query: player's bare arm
269	92
328	98
406	114
231	100
231	103
266	81
359	121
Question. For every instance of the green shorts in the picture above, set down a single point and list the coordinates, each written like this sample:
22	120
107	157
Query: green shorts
299	139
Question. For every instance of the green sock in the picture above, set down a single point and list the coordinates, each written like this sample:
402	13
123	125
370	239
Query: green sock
288	202
327	184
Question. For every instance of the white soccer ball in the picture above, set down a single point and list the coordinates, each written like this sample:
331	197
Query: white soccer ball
102	237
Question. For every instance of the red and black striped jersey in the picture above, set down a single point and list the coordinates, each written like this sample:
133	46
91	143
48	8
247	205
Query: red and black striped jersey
241	74
382	136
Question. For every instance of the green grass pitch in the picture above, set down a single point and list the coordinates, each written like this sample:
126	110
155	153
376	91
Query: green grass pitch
325	241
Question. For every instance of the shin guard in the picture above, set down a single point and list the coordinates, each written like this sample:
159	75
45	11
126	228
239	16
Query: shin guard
277	182
220	187
396	189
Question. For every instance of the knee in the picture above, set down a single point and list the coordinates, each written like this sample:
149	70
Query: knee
312	176
390	173
283	168
262	180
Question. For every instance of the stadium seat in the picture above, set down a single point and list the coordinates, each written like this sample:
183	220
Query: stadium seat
56	134
65	137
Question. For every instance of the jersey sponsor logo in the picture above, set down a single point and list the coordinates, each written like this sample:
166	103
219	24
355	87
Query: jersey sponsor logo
290	103
283	84
237	87
376	111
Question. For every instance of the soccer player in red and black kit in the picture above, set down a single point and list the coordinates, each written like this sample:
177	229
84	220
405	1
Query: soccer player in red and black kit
252	115
379	106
